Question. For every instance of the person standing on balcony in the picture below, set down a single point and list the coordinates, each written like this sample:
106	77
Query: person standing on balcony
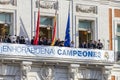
9	39
22	40
90	44
57	42
13	39
18	39
95	45
32	40
99	45
40	41
45	41
83	45
72	44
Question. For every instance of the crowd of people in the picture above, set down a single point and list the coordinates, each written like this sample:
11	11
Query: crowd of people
13	39
92	44
44	41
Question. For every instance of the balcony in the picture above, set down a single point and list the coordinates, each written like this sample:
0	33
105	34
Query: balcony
11	51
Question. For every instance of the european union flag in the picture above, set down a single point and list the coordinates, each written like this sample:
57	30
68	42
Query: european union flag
67	33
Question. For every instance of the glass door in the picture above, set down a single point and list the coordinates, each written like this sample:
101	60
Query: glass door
46	32
84	36
4	30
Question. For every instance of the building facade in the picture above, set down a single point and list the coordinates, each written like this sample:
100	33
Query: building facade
89	20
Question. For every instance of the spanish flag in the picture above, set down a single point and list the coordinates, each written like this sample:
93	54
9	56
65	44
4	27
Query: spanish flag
54	32
36	39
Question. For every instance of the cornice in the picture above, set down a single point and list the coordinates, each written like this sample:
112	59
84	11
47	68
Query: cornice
54	60
114	3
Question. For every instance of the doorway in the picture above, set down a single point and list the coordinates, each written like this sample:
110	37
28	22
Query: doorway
46	32
4	30
84	36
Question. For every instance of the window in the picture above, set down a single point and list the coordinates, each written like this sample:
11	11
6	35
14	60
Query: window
118	37
45	20
118	28
85	24
85	31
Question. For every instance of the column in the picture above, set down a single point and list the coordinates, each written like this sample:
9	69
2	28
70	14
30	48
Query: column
25	68
116	72
73	71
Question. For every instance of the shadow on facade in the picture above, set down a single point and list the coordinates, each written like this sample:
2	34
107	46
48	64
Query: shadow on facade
23	31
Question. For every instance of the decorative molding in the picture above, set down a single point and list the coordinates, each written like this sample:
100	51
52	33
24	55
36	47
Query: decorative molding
25	67
86	8
11	70
6	2
87	73
47	72
107	72
47	4
74	69
74	65
116	67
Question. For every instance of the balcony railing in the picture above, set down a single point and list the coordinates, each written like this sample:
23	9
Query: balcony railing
55	52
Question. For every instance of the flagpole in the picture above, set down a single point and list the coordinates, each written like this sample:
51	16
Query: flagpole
56	8
72	21
39	6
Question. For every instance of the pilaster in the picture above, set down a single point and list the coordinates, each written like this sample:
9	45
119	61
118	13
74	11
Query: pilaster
116	72
107	72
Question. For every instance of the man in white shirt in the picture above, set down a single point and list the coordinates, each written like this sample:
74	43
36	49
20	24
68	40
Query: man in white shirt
13	39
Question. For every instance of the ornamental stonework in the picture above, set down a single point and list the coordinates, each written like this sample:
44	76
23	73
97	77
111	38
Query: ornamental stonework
7	2
86	8
47	4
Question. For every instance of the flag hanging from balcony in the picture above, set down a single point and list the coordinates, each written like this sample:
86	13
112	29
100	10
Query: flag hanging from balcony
36	39
67	33
54	32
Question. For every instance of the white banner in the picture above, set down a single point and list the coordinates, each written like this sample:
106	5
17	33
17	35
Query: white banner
56	52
